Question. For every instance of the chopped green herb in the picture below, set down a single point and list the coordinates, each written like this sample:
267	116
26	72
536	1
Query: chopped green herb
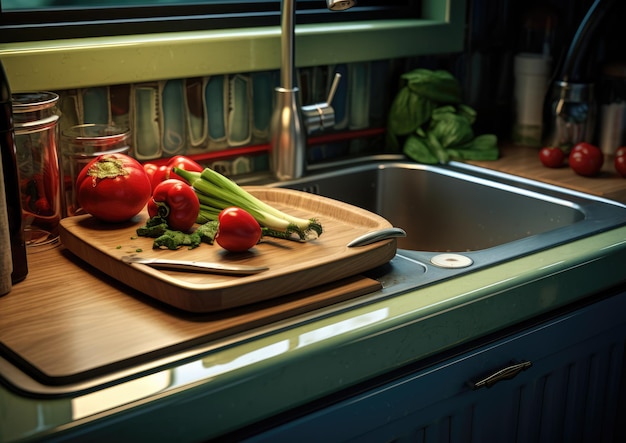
166	238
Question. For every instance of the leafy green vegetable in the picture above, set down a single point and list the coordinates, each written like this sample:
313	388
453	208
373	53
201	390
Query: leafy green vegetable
468	112
450	128
437	148
164	237
154	227
439	86
175	239
430	124
483	147
408	112
417	149
207	231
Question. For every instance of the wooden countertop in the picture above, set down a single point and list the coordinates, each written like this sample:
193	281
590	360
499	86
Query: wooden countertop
68	322
524	162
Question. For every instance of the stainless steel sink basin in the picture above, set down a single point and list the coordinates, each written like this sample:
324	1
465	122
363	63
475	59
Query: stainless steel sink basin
458	218
460	208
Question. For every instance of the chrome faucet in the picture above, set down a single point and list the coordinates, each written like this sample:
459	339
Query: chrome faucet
570	106
291	123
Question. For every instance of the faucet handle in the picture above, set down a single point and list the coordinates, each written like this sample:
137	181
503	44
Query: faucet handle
333	88
320	116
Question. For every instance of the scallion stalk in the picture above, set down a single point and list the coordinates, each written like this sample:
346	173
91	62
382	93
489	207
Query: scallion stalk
217	192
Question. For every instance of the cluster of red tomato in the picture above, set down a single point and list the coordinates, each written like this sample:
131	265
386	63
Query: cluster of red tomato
115	188
176	201
172	198
585	159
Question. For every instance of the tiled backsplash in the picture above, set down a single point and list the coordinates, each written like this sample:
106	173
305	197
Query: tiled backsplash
215	114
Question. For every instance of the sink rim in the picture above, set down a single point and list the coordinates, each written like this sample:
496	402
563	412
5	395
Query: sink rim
599	214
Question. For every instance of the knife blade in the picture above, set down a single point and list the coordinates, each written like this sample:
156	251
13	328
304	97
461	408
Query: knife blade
195	266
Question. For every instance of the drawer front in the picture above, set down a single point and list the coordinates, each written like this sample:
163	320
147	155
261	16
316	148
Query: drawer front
569	391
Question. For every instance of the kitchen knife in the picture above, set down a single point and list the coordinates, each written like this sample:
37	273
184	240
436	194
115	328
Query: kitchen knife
195	266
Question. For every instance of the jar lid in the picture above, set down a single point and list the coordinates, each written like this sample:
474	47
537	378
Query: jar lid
30	127
33	101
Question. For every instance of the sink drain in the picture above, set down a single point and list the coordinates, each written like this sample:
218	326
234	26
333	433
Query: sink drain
451	261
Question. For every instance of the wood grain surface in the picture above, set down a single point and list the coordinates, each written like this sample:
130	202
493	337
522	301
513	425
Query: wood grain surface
524	162
293	266
68	322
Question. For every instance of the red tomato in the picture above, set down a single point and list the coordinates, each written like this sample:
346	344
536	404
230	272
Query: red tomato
619	152
551	157
176	202
238	231
158	174
620	165
586	159
182	162
113	187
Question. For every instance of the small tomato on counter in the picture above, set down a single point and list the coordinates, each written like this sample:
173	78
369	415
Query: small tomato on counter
586	159
620	161
176	202
238	231
113	187
620	165
552	157
160	173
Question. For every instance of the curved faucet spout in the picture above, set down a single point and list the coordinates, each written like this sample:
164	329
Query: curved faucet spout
288	136
288	132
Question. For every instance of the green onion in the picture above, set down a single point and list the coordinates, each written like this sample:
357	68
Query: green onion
217	192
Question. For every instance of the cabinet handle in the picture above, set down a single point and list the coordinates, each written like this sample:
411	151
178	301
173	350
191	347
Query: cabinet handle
503	374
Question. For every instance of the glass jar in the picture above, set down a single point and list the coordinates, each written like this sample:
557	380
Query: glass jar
35	121
613	108
81	144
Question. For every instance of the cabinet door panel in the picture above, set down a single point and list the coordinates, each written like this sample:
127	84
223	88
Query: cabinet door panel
570	393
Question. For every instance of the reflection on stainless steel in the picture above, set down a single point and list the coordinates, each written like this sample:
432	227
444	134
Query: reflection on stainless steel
213	367
288	127
460	208
376	236
570	112
573	114
210	366
117	395
338	328
339	5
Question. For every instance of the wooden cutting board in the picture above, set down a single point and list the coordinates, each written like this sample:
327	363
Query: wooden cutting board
293	266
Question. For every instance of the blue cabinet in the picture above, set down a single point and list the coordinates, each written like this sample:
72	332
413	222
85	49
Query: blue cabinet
567	389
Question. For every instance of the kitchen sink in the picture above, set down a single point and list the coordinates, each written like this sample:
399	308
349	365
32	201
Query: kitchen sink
459	219
458	208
